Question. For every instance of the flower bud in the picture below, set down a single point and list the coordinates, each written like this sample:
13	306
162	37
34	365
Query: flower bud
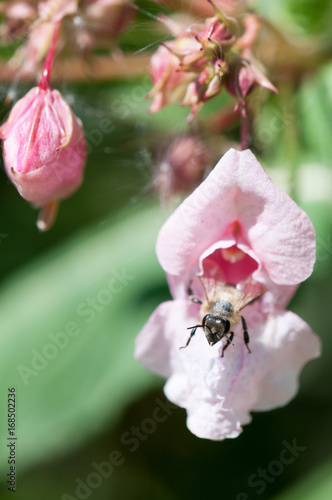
108	18
169	83
44	148
181	167
243	77
16	16
216	36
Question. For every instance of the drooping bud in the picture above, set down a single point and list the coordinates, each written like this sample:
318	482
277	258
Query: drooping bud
181	167
44	149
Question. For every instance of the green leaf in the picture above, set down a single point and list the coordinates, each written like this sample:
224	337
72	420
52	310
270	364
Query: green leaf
317	486
68	325
302	16
315	101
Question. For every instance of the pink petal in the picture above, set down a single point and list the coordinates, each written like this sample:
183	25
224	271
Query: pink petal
238	189
152	344
291	344
158	344
51	10
219	393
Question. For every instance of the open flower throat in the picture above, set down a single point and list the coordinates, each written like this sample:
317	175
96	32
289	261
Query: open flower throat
229	265
222	290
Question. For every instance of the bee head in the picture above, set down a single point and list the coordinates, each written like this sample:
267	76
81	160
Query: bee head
215	327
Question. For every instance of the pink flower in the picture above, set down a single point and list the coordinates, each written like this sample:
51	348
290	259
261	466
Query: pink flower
44	147
169	82
236	228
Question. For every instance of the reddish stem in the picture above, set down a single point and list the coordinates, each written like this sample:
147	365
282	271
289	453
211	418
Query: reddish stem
45	79
244	127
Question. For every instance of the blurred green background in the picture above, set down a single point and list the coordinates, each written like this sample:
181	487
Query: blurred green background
85	400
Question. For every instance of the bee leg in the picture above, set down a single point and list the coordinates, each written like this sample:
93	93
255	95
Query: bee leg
245	334
229	341
192	333
192	296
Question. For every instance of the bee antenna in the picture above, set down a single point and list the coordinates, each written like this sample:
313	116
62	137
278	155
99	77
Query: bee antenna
205	292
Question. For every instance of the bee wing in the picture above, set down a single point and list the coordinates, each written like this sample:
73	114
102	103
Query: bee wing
250	291
211	286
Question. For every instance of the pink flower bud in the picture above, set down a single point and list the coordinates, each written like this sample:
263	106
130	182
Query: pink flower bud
244	77
16	16
182	167
216	34
44	147
108	18
169	82
251	25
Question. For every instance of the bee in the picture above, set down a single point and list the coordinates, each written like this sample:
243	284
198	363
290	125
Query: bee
222	311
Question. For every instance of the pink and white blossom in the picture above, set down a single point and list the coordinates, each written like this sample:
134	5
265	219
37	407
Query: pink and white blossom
236	226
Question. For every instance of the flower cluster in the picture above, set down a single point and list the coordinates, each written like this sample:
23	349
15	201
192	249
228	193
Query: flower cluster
237	228
204	59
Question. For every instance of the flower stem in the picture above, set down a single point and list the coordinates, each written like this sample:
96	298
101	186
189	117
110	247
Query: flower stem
47	216
244	127
45	79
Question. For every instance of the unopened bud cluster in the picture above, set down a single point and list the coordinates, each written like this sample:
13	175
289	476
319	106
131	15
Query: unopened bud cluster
203	59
